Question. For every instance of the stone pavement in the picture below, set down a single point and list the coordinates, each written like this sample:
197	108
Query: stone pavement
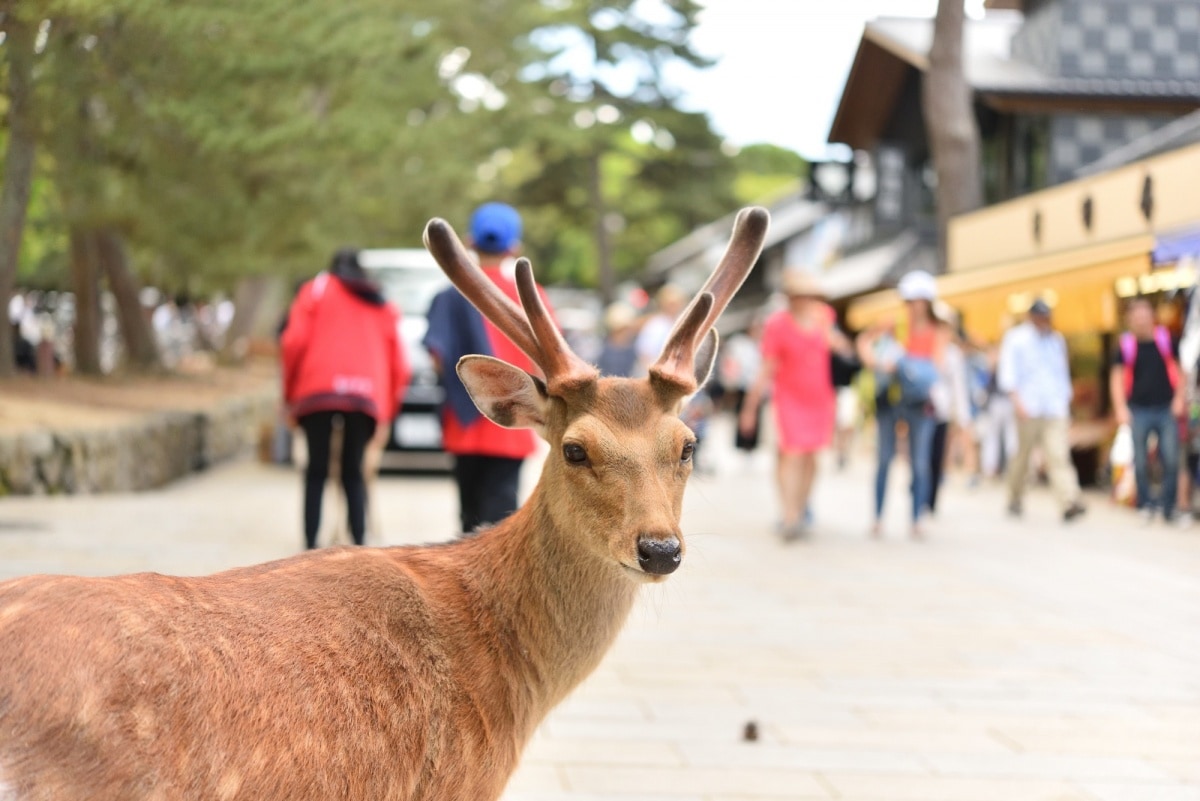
998	660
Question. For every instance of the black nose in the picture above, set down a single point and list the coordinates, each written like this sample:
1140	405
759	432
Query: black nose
659	556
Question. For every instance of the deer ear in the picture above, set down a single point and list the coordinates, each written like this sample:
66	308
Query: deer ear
507	395
706	357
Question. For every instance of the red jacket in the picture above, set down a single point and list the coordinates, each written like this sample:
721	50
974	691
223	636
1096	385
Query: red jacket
342	351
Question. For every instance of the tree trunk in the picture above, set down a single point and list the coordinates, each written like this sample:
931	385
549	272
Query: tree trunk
85	280
950	122
18	166
141	349
604	265
248	302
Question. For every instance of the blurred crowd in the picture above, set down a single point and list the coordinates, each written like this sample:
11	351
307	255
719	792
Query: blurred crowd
929	394
43	325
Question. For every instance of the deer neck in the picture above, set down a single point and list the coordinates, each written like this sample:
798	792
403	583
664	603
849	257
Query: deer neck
563	604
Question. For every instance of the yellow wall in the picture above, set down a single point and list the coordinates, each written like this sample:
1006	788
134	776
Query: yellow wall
1004	233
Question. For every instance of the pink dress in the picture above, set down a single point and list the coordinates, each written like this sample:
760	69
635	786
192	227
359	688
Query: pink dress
804	398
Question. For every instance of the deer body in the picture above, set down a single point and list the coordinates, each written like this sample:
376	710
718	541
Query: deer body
396	667
399	673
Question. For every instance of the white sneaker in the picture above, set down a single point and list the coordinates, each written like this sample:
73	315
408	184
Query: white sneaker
1146	515
1182	520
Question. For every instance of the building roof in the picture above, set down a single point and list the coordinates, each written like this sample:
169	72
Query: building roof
703	247
1175	134
892	47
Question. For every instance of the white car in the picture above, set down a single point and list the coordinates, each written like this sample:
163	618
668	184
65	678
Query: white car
409	278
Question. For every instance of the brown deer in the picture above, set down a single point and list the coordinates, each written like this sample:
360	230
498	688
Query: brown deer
366	673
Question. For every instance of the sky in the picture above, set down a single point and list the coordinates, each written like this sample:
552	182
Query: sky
781	65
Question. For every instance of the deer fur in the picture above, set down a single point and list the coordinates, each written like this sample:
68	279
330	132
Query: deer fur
365	673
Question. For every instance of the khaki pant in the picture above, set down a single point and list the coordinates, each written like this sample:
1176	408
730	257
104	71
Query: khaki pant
1051	434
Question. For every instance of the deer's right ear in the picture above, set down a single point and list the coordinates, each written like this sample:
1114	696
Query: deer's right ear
507	395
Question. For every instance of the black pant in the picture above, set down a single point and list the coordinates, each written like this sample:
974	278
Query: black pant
937	465
357	430
487	489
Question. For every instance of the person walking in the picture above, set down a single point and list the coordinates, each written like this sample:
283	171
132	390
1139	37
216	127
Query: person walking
487	458
951	400
1035	374
906	369
740	364
796	345
342	357
618	354
1148	395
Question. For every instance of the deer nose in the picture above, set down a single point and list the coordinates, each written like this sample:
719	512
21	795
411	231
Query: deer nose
659	556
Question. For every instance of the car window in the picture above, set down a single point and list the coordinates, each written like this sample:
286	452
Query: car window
411	289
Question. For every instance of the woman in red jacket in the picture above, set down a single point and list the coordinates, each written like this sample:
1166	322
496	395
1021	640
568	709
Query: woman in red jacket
342	356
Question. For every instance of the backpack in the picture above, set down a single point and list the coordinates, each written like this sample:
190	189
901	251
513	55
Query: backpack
1129	350
915	377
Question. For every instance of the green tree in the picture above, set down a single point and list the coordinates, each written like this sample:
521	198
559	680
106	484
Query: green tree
20	31
609	151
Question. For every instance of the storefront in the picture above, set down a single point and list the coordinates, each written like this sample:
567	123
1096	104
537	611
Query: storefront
1080	246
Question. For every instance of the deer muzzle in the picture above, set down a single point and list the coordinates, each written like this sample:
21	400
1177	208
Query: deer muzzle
659	555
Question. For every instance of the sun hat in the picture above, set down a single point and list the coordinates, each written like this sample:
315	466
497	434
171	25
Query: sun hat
801	283
495	228
917	285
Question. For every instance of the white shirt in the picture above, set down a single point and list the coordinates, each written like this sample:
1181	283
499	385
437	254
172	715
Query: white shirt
1034	366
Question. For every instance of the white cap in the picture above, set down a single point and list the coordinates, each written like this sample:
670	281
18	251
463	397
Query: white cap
917	285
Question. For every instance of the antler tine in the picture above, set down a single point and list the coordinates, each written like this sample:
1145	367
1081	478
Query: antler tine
745	243
676	365
564	370
677	361
447	249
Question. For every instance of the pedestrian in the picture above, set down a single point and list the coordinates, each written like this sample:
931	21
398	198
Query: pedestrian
797	342
652	335
618	353
906	368
1035	374
740	364
342	357
1149	395
487	458
951	400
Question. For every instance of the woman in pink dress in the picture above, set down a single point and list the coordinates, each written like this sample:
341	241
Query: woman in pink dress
796	346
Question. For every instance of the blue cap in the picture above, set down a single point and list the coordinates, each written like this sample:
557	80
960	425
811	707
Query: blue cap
495	228
1040	308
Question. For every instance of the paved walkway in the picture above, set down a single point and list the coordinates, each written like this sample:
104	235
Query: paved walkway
998	660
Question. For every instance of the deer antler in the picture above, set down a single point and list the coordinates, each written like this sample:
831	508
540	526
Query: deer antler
529	325
565	371
676	365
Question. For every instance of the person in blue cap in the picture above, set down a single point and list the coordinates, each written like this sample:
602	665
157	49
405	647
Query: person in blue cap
487	458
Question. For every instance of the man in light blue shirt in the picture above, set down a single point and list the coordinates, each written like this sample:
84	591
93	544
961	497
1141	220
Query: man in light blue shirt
1035	374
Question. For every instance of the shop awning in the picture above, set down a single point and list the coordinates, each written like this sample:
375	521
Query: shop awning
1176	245
1079	284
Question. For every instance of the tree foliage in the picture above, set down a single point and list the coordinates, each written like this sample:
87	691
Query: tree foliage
210	140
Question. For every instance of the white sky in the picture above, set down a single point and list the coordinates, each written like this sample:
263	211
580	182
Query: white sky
782	65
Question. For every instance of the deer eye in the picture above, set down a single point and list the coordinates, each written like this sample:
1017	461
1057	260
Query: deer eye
689	448
575	454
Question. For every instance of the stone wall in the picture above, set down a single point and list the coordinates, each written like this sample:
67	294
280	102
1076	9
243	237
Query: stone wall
155	450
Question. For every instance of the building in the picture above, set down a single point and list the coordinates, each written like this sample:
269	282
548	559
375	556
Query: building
1058	86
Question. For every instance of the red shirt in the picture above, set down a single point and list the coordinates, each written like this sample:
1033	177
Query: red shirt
483	437
342	353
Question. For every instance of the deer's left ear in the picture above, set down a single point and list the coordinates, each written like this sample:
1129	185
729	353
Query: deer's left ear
507	395
706	357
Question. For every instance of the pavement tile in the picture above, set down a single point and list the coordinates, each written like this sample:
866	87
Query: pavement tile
763	783
906	788
1104	791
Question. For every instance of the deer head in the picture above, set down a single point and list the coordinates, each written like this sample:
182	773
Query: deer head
619	454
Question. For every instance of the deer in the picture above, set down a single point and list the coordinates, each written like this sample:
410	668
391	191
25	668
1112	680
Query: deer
412	673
